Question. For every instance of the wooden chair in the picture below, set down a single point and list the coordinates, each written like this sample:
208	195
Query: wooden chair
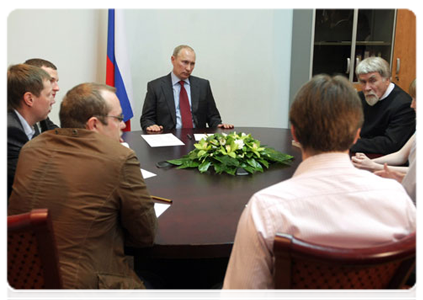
32	257
302	265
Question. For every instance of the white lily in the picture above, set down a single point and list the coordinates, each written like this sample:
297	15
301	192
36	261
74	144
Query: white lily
240	143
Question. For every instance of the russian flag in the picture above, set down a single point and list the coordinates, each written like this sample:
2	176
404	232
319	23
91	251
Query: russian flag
118	71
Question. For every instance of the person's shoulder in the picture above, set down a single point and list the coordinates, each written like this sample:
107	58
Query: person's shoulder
86	140
15	131
112	147
387	189
400	95
11	113
277	193
198	80
105	141
375	182
161	79
398	89
12	119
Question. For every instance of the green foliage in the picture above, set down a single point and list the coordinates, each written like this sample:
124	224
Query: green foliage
227	152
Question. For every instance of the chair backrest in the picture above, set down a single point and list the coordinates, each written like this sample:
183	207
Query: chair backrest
302	265
32	257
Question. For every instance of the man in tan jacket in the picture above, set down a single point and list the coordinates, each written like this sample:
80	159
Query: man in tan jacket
93	188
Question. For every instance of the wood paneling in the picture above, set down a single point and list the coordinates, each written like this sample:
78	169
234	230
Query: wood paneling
405	49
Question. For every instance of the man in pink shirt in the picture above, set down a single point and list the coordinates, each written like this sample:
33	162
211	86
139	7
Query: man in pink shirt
327	201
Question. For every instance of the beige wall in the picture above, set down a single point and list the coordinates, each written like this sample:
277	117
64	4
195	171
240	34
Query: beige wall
244	53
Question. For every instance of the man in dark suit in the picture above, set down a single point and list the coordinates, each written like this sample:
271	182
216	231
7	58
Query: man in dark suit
179	100
51	69
29	100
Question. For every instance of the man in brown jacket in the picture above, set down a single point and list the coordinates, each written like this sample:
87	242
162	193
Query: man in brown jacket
93	188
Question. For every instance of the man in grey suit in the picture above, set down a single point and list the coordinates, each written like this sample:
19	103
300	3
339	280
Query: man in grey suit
164	103
29	100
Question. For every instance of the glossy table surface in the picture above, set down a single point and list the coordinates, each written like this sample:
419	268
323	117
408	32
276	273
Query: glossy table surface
202	220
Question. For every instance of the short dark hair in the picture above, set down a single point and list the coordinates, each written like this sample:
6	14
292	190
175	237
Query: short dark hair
39	62
21	79
83	102
326	114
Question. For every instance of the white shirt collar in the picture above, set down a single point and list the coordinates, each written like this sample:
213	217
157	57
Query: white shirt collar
29	130
176	80
391	86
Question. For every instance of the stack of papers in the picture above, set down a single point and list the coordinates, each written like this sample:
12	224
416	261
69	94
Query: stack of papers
200	136
162	140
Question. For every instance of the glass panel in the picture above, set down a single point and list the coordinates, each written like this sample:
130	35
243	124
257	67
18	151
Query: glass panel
374	34
332	41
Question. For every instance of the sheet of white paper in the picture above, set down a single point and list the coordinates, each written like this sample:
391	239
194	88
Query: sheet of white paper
199	136
147	174
160	208
162	140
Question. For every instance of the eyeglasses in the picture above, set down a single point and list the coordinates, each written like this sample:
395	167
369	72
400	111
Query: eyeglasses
119	118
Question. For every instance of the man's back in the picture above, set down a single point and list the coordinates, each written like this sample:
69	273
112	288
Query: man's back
327	202
97	198
327	196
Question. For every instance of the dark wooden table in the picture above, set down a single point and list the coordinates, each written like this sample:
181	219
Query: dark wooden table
202	221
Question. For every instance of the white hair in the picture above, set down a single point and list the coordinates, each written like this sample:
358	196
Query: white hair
374	64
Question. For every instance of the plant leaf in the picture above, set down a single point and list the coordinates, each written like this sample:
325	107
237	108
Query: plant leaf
264	162
204	166
249	169
219	168
201	153
176	162
231	171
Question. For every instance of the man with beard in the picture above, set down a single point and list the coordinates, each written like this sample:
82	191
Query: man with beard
389	121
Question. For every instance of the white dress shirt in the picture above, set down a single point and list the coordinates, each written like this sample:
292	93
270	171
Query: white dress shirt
29	130
327	201
390	88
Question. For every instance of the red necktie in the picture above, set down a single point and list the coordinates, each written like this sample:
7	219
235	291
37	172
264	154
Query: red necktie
185	107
